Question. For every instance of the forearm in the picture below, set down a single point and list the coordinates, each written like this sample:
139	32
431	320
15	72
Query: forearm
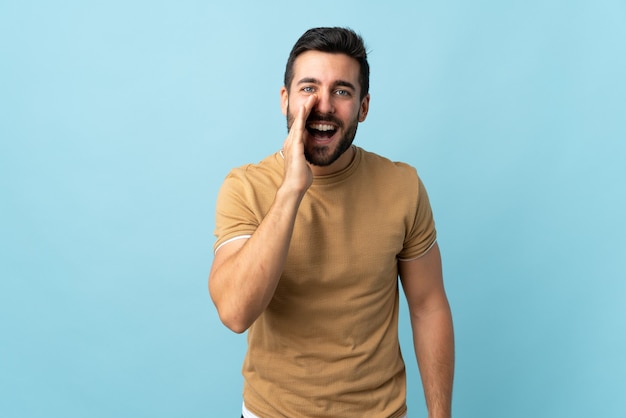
433	339
243	284
244	278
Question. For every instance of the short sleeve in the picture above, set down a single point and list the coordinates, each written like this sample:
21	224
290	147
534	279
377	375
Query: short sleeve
421	234
234	217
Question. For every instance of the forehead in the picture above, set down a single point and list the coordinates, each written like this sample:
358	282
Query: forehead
326	67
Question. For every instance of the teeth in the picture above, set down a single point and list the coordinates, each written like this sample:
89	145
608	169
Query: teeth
321	127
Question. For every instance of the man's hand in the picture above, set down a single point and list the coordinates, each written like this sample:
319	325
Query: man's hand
245	272
298	174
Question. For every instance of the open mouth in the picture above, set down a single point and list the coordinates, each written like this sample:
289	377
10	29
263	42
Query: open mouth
320	130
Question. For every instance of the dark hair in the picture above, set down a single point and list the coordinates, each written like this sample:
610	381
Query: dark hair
332	40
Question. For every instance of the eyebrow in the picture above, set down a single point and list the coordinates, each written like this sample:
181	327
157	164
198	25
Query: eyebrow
337	83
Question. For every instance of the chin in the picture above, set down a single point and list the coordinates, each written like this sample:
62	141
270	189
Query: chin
325	155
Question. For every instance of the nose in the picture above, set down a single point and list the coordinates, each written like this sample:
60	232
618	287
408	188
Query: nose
325	103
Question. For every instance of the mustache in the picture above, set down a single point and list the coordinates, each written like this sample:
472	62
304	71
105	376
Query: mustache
327	117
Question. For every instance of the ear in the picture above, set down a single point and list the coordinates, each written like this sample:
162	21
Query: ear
284	100
365	106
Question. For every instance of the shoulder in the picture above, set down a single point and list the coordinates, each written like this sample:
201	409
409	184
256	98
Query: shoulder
266	170
396	171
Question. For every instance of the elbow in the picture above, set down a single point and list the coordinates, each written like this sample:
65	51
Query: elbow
234	324
233	318
231	311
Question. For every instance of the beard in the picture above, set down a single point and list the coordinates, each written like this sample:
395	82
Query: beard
323	155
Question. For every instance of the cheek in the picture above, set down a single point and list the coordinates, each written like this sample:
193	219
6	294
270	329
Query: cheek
354	115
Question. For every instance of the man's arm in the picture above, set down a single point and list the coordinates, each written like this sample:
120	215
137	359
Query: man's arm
431	322
245	273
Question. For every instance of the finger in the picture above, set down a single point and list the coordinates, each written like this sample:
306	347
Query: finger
303	113
296	132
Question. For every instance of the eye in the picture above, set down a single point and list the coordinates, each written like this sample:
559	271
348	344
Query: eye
342	92
308	89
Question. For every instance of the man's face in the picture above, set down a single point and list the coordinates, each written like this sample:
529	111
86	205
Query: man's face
332	123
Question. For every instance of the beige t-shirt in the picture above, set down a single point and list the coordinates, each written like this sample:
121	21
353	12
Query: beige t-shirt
327	344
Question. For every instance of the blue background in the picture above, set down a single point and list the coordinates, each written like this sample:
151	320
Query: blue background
119	120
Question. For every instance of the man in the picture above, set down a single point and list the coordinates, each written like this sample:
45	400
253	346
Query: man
310	243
